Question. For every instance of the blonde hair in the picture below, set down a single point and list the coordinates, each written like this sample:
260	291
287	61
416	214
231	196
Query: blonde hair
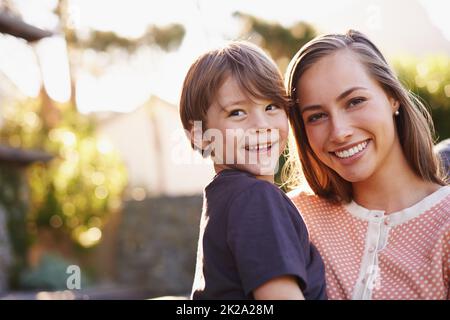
414	124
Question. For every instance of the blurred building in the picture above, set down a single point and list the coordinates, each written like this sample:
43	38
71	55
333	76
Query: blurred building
155	149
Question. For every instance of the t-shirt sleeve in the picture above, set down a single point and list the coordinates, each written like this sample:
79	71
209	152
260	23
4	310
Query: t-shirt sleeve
265	237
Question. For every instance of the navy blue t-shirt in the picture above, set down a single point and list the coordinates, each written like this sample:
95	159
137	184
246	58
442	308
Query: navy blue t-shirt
250	233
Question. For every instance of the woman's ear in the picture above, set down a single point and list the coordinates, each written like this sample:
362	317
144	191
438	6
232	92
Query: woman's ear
395	104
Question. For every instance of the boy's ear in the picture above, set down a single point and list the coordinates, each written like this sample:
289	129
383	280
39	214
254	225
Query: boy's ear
196	136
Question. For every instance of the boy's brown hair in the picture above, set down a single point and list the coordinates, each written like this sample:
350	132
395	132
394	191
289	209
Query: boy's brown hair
254	71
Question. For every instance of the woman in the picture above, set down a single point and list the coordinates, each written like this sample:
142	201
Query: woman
380	212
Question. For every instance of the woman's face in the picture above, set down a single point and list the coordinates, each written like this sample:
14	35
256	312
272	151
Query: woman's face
348	117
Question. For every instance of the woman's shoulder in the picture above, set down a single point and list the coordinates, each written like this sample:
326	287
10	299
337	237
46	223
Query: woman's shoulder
305	199
438	203
300	195
442	207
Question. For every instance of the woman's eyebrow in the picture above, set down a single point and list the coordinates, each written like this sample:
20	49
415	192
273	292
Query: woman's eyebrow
349	91
310	108
340	97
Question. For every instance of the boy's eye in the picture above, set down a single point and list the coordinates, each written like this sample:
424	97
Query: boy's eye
271	107
236	113
315	117
356	101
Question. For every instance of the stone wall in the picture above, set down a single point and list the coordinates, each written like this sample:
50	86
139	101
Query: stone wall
14	199
157	244
5	252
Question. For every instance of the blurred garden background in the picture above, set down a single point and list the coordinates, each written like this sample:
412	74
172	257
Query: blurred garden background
95	170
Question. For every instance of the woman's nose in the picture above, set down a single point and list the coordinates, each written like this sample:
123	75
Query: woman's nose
341	129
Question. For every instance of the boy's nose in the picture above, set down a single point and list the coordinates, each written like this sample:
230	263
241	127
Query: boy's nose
261	123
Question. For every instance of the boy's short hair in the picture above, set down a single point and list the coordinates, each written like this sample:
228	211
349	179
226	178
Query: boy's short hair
255	72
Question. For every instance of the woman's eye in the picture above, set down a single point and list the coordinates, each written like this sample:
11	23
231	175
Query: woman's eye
236	113
271	107
315	117
356	101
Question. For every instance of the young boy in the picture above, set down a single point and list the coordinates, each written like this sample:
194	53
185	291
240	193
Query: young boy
253	243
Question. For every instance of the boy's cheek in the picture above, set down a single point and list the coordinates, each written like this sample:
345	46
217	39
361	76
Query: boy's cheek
224	150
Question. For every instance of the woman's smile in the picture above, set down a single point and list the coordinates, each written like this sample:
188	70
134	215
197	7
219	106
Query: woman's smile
351	153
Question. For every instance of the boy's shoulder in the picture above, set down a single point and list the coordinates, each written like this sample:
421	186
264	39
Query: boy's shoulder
239	180
233	184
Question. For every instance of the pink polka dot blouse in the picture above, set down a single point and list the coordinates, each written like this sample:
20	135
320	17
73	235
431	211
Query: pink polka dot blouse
372	255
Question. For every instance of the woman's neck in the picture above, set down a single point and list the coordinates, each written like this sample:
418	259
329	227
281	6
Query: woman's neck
393	187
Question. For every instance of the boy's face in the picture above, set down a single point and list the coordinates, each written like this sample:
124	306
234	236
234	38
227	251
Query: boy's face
245	134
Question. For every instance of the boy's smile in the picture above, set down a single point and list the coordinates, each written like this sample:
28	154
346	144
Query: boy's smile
248	134
259	148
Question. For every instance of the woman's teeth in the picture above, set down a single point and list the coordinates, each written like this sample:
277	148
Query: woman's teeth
351	151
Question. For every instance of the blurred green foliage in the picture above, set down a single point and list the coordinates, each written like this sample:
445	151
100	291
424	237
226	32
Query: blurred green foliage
281	42
429	78
80	188
167	37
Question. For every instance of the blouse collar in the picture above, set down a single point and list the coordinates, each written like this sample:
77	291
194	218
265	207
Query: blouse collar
400	216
